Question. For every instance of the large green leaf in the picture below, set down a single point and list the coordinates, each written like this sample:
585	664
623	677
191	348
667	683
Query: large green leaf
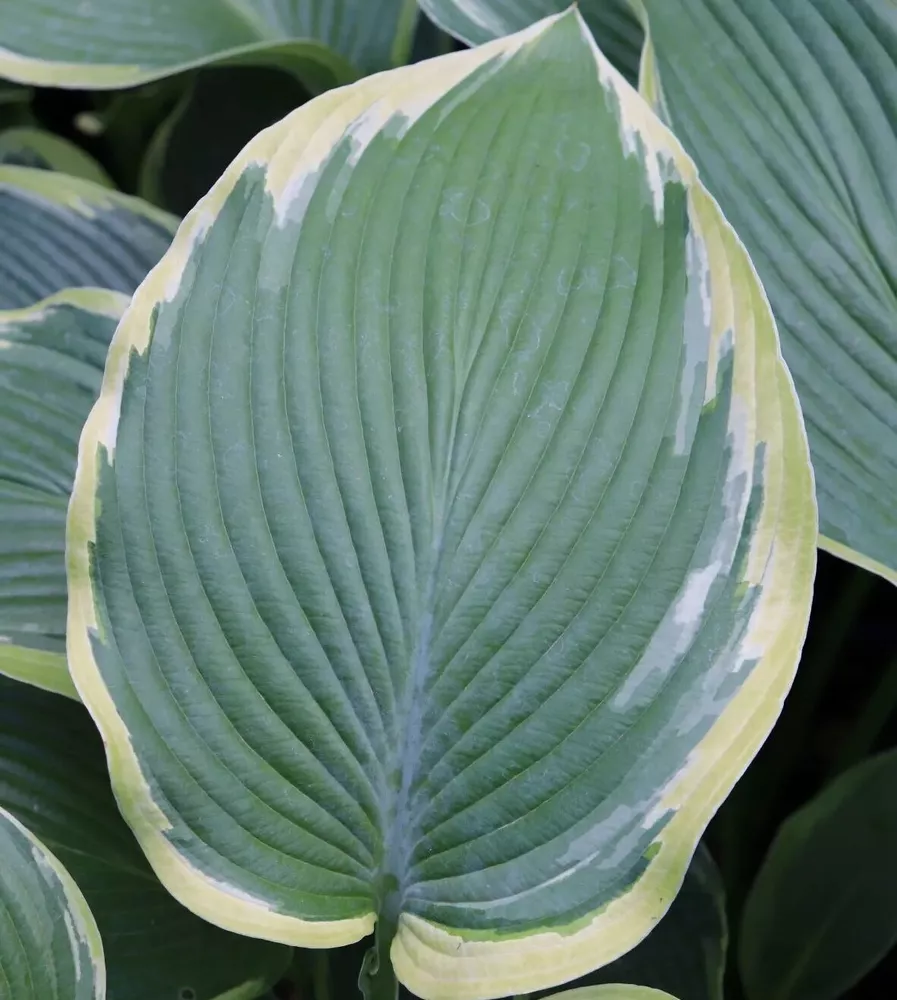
789	108
686	953
442	541
823	909
476	21
59	232
50	948
51	365
53	778
120	43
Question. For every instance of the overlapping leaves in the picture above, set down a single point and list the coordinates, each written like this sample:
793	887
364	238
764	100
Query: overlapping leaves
789	108
120	43
612	22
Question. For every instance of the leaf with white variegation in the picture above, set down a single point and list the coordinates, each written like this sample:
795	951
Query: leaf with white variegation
112	44
50	948
60	232
612	22
51	367
789	108
53	778
442	540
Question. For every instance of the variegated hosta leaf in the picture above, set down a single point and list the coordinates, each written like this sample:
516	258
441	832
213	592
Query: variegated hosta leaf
51	366
442	540
614	992
61	232
53	778
121	43
612	22
789	108
50	948
686	953
35	147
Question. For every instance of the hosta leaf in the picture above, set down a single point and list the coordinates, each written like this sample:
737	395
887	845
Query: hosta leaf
612	22
442	541
823	909
51	365
686	953
53	778
60	232
789	108
34	147
50	948
614	992
121	43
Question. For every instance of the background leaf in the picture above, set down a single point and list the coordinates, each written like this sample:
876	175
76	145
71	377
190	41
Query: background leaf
53	777
34	147
120	43
612	22
789	108
823	910
50	948
64	232
51	366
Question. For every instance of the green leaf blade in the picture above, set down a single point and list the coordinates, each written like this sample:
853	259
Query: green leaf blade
50	948
404	525
788	110
51	368
821	912
64	232
115	44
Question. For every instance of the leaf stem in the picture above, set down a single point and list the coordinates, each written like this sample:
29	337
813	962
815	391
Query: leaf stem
404	37
321	975
377	980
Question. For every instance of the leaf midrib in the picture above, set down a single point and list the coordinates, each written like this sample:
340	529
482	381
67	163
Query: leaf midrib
400	832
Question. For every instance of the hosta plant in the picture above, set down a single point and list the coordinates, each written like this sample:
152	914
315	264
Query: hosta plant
403	556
